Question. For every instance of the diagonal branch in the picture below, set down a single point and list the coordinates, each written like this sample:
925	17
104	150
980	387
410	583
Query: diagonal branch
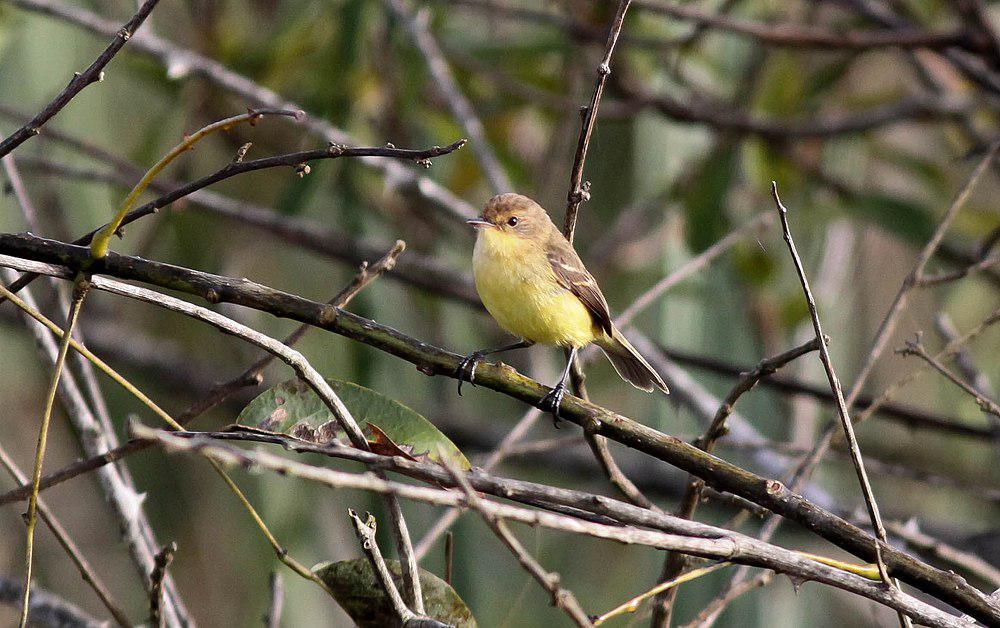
842	409
561	598
93	74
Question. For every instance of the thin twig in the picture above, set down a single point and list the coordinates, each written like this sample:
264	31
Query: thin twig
365	530
499	453
101	240
916	347
842	408
93	74
632	605
72	549
80	289
562	598
578	190
804	36
449	556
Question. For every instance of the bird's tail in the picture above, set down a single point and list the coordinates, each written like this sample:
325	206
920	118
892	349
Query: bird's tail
629	364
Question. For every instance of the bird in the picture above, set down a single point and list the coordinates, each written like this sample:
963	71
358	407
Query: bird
535	287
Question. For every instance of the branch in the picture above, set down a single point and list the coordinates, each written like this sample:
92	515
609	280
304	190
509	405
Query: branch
800	36
916	347
578	190
728	548
277	588
913	418
824	126
421	271
365	530
235	168
93	74
163	559
842	409
431	360
47	609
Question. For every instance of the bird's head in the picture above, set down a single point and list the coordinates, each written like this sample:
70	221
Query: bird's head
515	215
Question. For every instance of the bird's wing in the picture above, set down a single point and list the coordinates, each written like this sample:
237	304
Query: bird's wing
572	275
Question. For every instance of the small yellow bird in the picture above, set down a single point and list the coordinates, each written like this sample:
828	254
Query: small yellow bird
534	285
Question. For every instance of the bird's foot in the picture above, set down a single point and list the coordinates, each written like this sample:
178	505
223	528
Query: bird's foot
466	371
552	401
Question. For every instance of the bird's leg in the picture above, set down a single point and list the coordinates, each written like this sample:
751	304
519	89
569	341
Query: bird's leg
552	400
466	371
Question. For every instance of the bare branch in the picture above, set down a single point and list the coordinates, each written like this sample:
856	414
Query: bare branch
728	548
277	588
842	408
163	559
93	74
578	190
916	347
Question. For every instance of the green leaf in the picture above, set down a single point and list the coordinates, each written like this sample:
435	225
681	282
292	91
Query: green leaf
362	597
293	408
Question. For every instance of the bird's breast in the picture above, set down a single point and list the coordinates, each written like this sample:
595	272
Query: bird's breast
519	289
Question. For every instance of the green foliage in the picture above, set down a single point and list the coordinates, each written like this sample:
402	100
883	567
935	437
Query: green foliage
360	594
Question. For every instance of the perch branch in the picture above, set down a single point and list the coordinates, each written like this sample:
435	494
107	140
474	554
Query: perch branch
718	474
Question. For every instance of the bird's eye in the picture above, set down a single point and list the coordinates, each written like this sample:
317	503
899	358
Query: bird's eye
512	221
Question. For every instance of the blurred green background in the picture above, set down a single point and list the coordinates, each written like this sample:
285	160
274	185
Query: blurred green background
663	189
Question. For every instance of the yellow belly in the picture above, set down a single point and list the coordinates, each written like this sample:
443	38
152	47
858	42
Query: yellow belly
520	291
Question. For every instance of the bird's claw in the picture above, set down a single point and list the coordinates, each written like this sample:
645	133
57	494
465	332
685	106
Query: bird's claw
552	401
466	371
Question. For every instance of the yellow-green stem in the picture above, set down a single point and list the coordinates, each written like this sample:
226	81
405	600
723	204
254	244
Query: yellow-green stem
79	293
101	241
868	570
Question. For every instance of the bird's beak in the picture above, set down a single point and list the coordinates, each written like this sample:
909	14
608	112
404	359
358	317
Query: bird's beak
478	223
